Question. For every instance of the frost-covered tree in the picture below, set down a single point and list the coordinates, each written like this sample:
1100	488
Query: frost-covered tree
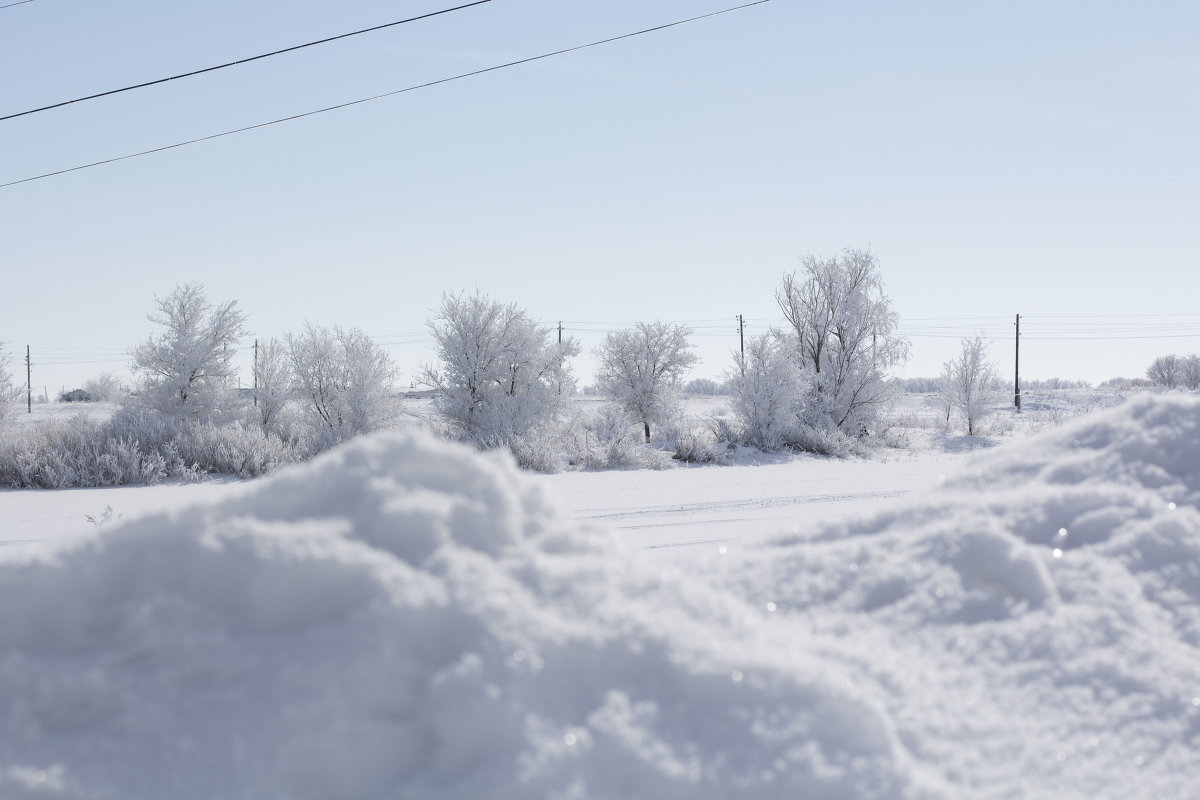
272	382
1189	371
187	369
343	380
968	382
499	376
847	334
105	386
640	369
1165	371
770	391
8	391
704	387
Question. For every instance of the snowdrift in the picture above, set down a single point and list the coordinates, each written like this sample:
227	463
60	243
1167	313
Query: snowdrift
1033	628
406	618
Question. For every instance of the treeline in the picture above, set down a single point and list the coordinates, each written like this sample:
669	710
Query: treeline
818	383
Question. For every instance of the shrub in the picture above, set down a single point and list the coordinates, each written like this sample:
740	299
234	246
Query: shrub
75	453
606	439
697	446
822	441
539	449
135	447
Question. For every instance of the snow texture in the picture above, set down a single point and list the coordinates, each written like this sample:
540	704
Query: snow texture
403	617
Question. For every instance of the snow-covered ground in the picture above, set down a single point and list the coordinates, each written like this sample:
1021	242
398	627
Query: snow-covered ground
39	413
754	496
405	618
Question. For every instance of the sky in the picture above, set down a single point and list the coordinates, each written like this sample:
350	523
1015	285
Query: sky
998	159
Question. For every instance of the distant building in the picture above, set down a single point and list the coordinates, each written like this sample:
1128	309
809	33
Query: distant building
75	396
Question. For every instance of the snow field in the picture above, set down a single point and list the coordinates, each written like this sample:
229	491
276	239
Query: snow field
403	617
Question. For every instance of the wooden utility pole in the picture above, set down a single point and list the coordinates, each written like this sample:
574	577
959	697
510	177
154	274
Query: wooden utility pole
1017	369
28	381
560	331
742	341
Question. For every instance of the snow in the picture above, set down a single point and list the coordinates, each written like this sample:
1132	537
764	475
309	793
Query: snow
692	506
406	618
40	413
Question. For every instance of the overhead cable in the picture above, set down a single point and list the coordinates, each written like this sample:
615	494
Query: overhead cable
239	61
381	96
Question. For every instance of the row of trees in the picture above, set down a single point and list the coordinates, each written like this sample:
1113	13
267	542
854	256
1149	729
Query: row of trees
339	380
500	377
502	380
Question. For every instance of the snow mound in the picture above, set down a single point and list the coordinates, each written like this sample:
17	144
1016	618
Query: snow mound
1037	619
406	618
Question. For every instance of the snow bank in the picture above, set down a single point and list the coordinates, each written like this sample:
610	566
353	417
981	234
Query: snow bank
1036	623
406	618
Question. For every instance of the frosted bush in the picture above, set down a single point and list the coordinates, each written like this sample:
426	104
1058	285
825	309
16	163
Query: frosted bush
232	450
697	446
75	453
822	441
540	449
606	439
135	447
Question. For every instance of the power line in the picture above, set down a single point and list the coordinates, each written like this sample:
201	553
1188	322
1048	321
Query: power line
947	319
1091	338
385	94
239	61
98	354
19	3
1108	316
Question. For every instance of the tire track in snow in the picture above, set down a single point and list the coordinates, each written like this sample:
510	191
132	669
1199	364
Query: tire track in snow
723	506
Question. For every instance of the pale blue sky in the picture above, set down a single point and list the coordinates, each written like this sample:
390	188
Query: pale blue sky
1038	158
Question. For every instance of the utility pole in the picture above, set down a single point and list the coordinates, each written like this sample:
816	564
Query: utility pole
560	331
1017	369
742	341
28	381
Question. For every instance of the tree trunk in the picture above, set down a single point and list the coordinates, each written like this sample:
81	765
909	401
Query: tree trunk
647	424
